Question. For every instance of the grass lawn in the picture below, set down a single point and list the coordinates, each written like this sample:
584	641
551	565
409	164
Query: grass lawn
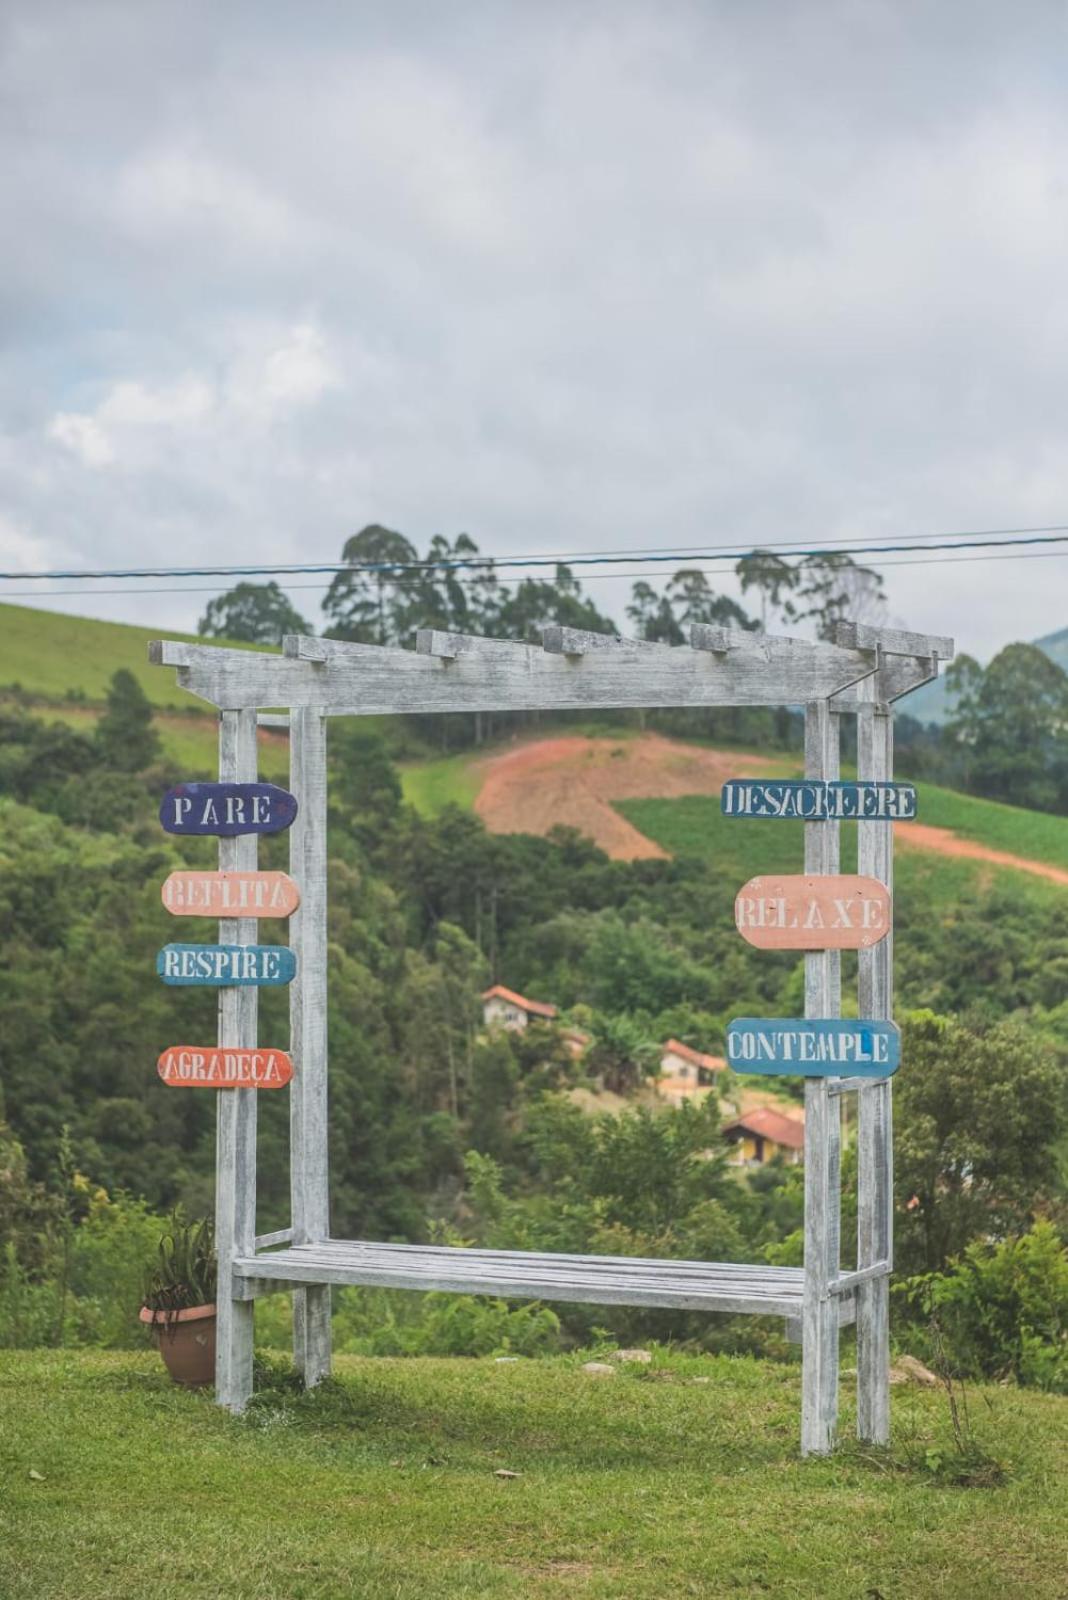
695	826
642	1486
429	786
49	652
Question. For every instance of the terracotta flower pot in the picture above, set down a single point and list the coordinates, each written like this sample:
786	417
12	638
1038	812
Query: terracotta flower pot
186	1341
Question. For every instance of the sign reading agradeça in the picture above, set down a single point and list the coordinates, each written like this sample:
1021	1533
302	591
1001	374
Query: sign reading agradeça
843	912
187	1066
814	800
226	965
227	809
813	1048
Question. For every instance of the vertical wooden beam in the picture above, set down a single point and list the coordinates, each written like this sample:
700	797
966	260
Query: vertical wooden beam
875	856
235	1155
309	1168
823	988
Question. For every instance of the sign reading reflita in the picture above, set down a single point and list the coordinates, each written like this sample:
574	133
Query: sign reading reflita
814	800
187	1066
227	809
226	965
816	1048
230	894
803	913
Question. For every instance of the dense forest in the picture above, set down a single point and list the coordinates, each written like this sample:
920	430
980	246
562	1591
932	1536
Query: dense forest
442	1130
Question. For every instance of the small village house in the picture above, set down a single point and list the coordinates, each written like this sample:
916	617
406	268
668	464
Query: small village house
762	1134
683	1071
507	1009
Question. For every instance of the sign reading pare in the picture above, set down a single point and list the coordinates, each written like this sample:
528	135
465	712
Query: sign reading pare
819	913
188	1066
227	809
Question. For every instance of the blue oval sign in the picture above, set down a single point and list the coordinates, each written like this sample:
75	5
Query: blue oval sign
227	965
227	809
813	1048
814	800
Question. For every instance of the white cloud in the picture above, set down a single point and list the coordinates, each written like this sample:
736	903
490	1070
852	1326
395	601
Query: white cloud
567	275
83	437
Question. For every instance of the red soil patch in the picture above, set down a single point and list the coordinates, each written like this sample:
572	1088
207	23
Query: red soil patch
574	780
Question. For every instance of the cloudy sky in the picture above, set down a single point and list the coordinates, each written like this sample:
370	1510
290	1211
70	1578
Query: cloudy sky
565	275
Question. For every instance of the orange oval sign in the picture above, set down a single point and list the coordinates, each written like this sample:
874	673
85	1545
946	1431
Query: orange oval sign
230	894
798	913
192	1066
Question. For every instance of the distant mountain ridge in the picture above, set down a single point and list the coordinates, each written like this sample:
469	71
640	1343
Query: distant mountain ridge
934	703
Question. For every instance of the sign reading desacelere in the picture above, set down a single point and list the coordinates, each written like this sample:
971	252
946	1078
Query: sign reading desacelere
813	800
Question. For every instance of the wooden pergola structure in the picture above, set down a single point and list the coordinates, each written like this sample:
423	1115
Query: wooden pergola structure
860	675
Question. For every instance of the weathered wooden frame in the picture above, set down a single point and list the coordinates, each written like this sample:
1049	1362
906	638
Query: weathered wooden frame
861	673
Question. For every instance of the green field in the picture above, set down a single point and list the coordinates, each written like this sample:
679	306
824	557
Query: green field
431	785
696	826
48	653
637	1487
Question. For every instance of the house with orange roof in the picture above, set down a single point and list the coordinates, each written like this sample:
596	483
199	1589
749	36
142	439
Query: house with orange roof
762	1134
684	1070
507	1009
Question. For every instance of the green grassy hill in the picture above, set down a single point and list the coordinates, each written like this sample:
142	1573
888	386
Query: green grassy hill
677	1478
48	653
60	667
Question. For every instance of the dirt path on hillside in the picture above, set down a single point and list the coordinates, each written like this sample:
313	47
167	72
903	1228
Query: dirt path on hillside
574	780
921	836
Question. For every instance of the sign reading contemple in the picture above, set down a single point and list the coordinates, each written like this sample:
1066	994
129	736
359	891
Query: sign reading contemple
799	913
814	800
813	1048
187	1066
230	894
227	809
226	964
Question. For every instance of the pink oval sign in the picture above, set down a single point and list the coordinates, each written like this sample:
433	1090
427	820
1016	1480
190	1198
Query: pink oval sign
799	913
230	894
192	1066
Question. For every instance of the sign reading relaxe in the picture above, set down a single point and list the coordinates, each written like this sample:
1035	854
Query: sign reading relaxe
230	894
226	964
187	1066
813	1048
227	809
827	913
814	800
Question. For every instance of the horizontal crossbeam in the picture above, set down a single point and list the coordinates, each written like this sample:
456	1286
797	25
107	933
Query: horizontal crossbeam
527	1275
454	672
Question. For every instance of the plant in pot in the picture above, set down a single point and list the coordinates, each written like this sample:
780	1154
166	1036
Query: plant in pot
179	1300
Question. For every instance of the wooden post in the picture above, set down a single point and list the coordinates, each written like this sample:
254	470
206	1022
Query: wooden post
875	850
235	1158
819	1350
309	1167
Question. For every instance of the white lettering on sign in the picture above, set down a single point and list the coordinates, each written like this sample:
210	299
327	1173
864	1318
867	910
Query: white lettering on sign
813	800
225	1068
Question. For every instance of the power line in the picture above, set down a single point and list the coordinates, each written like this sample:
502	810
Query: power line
594	577
480	563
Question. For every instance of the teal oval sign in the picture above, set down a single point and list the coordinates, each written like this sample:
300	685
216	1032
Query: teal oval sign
813	1048
225	966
